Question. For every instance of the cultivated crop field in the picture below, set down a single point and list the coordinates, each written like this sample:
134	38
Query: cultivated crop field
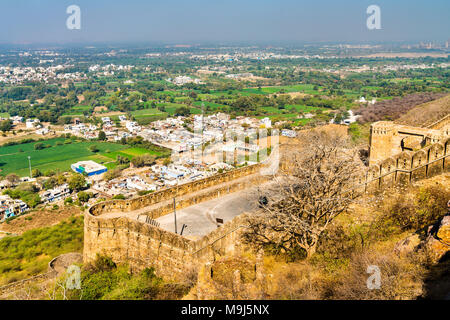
130	153
58	156
60	153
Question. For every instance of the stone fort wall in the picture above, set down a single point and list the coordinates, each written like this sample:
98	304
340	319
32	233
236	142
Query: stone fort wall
142	245
167	194
407	167
173	256
388	139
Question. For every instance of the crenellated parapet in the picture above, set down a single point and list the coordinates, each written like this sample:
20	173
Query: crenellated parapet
388	139
409	166
177	191
141	245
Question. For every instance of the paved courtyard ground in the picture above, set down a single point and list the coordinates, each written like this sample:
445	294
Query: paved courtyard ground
201	218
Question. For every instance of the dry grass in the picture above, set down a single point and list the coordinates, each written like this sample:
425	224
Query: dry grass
427	113
39	218
366	235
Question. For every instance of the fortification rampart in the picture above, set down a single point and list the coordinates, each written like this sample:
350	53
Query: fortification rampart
173	256
142	245
408	166
167	194
388	139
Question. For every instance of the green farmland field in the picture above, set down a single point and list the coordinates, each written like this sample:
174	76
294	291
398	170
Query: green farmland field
130	153
14	159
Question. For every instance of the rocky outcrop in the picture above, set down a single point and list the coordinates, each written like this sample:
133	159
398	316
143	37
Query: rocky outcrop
407	245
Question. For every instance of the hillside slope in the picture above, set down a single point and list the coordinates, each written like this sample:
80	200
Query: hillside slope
395	108
425	114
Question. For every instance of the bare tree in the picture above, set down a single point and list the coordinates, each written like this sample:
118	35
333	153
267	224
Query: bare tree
311	189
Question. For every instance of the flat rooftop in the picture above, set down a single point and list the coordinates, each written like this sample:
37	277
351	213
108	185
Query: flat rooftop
89	165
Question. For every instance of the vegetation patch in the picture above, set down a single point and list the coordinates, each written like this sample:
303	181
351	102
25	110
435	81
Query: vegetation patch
29	254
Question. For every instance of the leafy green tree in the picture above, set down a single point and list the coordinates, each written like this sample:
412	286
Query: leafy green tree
6	125
183	111
39	146
50	183
142	161
36	173
84	196
93	148
102	136
77	182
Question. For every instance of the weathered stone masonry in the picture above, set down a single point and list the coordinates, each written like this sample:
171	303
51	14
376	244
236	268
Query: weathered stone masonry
402	154
143	245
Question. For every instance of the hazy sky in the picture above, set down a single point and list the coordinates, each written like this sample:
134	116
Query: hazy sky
44	21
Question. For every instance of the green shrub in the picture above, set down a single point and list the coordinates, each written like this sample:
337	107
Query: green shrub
28	254
417	213
39	146
103	279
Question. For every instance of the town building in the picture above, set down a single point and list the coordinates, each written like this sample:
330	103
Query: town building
288	133
55	194
88	167
11	207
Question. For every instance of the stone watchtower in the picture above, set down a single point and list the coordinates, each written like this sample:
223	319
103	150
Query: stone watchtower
381	141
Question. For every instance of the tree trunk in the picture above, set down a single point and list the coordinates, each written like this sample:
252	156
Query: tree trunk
311	250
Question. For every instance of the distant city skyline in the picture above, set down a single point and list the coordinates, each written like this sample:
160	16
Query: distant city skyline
200	21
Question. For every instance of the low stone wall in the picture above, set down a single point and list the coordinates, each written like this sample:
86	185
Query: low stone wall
209	194
142	245
177	191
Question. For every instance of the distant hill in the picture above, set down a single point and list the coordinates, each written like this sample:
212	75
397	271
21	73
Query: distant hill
427	113
397	107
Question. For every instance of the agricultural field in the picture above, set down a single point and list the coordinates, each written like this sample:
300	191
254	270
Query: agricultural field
144	113
130	153
77	110
57	155
60	153
211	105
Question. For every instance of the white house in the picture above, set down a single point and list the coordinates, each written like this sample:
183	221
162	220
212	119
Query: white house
42	131
266	122
32	123
288	133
